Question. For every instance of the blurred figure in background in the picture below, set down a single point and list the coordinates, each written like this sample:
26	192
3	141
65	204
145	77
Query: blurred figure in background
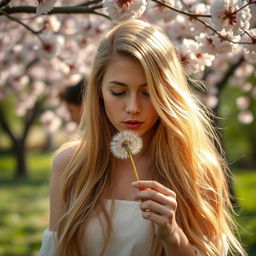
72	97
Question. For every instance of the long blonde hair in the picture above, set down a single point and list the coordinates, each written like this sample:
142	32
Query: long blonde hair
184	155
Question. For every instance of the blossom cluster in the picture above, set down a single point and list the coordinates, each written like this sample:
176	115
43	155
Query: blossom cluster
58	49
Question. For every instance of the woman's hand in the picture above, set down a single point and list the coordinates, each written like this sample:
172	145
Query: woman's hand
159	205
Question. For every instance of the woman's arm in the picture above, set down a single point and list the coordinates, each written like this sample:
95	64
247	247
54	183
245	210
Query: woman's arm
159	205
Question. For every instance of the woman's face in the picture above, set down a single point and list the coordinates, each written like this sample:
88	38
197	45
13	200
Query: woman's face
125	95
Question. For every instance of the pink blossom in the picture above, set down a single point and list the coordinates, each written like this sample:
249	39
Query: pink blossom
196	26
216	44
246	87
178	28
250	49
51	121
51	46
156	11
125	9
88	28
244	70
245	117
242	102
193	59
18	82
51	23
44	6
189	3
187	57
70	128
210	101
225	15
38	88
25	102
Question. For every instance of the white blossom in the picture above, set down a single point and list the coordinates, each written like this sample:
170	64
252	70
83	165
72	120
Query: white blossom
242	102
51	46
211	101
51	121
178	28
250	49
38	88
126	9
156	11
18	82
213	44
44	6
70	128
192	58
245	117
125	140
196	26
25	102
225	15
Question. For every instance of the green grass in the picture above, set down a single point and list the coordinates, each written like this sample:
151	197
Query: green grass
245	189
24	206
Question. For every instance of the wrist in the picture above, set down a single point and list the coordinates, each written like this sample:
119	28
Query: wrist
178	244
175	239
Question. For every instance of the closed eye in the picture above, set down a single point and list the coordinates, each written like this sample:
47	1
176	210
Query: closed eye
117	93
145	94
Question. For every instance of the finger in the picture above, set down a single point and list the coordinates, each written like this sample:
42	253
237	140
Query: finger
156	218
159	209
153	185
157	197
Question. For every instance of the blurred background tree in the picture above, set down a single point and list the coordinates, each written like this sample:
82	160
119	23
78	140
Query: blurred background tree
40	53
49	44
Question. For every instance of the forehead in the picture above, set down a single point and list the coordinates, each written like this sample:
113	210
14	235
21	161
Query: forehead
125	69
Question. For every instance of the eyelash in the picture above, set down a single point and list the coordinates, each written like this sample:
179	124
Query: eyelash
122	93
117	93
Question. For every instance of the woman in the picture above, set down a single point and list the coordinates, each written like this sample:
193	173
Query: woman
137	83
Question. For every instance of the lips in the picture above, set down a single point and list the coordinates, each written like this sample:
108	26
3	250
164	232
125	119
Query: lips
132	124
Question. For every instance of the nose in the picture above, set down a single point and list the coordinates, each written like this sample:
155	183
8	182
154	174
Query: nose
133	105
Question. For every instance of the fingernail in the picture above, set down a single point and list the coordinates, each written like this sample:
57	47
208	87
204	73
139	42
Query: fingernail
134	183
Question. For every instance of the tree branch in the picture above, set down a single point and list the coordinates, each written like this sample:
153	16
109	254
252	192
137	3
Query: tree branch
21	23
4	3
189	14
5	126
197	17
238	10
30	119
56	10
88	3
220	85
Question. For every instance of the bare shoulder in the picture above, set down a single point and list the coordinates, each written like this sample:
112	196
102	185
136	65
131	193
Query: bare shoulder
62	158
59	164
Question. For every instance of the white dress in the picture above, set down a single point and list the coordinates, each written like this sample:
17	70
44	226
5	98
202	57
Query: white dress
131	235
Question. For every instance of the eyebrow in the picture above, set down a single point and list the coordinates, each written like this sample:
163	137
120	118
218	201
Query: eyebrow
123	84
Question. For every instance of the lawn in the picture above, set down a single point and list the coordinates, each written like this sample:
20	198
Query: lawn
24	206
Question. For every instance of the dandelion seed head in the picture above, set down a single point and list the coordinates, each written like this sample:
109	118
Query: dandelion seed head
124	142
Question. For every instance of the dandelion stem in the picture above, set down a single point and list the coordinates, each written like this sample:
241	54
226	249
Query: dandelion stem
134	166
129	152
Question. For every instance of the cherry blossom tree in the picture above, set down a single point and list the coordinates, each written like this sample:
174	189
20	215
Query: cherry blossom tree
46	44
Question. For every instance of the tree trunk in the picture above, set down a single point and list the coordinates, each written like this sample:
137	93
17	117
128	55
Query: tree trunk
21	163
220	85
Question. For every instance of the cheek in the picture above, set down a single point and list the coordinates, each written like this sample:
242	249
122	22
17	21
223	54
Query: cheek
111	104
